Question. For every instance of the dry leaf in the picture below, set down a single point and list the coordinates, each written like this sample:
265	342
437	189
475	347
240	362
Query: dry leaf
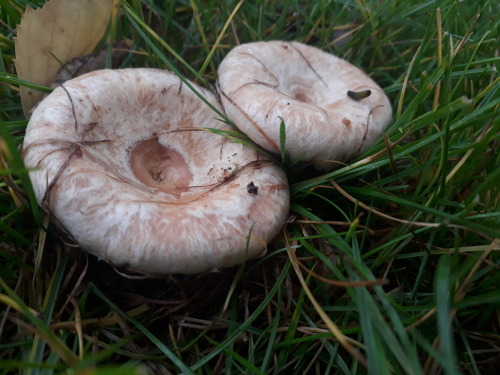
52	35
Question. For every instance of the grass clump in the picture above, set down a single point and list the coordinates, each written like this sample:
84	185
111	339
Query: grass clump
390	263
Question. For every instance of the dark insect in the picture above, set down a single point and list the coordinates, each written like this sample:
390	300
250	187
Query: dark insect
252	189
358	95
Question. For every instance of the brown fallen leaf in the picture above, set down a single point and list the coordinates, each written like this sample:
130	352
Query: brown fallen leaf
50	36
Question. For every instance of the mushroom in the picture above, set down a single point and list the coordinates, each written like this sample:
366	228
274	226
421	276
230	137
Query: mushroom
121	161
332	111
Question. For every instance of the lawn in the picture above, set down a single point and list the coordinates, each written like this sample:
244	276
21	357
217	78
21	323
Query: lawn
387	264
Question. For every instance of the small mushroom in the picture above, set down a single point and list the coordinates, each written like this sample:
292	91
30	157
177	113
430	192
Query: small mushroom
332	111
122	162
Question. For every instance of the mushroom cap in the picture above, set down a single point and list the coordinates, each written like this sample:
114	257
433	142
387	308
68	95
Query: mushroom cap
122	164
263	82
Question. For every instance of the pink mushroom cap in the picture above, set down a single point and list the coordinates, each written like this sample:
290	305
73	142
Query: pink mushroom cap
263	83
121	161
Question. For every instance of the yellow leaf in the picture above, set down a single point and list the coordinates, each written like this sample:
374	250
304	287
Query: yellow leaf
52	35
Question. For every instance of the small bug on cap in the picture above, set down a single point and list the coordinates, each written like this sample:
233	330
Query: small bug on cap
252	189
358	95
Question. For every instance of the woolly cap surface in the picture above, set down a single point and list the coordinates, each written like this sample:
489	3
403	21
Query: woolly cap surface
263	83
122	163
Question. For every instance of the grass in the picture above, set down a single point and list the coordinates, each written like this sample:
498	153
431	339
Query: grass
390	264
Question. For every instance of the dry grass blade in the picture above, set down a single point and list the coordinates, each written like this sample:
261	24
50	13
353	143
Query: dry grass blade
219	38
346	284
334	329
405	83
381	214
437	91
98	322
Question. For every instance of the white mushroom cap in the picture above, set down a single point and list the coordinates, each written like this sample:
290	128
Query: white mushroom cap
122	164
261	82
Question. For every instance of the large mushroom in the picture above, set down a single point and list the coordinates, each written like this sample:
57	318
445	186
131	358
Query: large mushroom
122	162
332	111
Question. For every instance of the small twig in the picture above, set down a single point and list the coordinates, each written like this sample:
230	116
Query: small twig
72	106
